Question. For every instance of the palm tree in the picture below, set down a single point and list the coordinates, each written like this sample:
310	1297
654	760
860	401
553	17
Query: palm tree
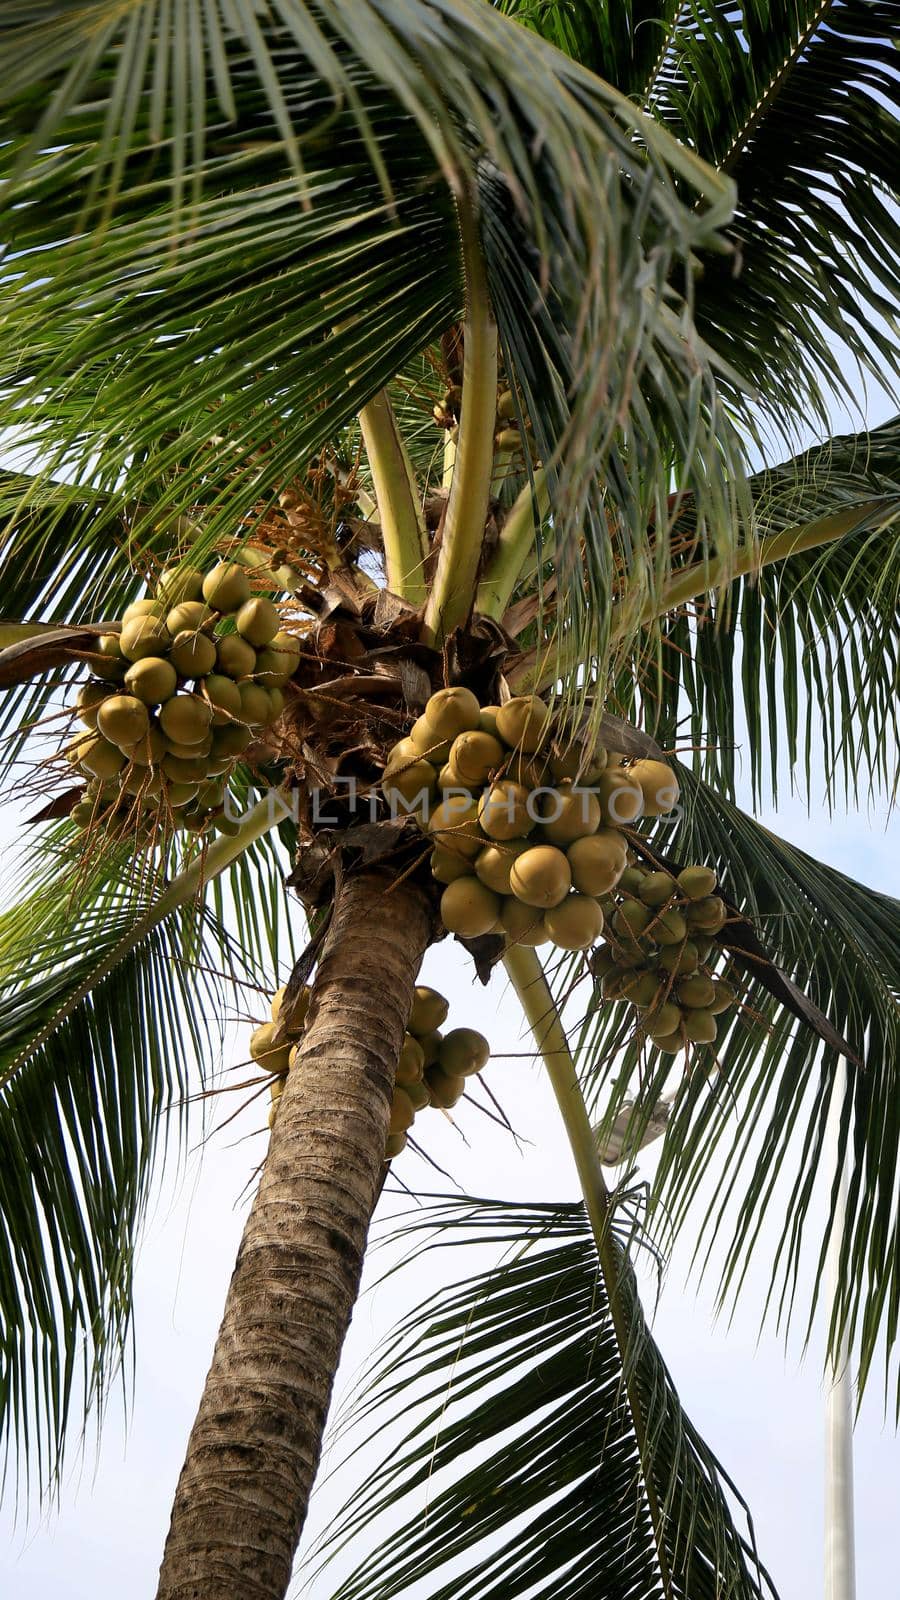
268	269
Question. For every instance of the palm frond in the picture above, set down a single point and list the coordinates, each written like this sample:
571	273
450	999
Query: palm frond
799	102
84	1096
751	1114
800	661
522	1446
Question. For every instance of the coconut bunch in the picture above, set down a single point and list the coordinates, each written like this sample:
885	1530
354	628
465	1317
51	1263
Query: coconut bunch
193	671
433	1067
273	1045
526	822
660	951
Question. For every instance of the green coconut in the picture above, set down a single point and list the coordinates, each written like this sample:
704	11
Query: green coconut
395	1144
144	636
697	992
224	696
235	657
102	759
632	919
641	988
429	1010
452	711
707	915
669	927
680	960
621	800
188	617
431	1045
523	722
194	654
487	720
631	879
445	1090
258	622
227	587
256	705
185	719
152	679
277	662
423	740
177	584
662	1020
724	997
697	883
230	740
123	719
700	1027
657	888
464	1052
411	1061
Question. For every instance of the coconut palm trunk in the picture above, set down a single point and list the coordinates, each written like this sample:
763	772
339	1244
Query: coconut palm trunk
252	1456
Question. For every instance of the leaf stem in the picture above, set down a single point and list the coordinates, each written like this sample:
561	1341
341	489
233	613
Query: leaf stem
529	981
467	504
400	515
514	546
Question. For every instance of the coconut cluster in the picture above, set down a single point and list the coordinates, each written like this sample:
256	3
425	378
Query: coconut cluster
193	671
433	1066
273	1045
526	823
659	953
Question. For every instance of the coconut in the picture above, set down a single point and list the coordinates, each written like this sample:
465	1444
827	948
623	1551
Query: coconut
632	878
411	1062
641	988
670	1043
451	711
541	876
679	959
188	617
445	1090
151	679
141	781
277	662
596	864
569	814
494	864
423	741
112	664
431	1045
185	719
523	722
503	811
145	752
180	794
402	1112
142	608
669	927
123	719
700	1027
658	785
189	752
177	584
602	960
429	1010
522	924
697	883
276	704
446	866
144	636
454	824
487	720
90	698
401	754
474	755
531	771
657	888
230	740
224	696
463	1053
724	997
632	919
418	1093
395	1144
271	1056
256	706
181	770
621	800
575	923
708	915
235	657
450	782
194	654
468	908
257	622
506	406
227	587
413	783
664	1019
82	813
697	992
101	758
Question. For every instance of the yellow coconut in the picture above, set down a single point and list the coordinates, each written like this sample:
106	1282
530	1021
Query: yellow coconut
152	679
235	657
452	711
412	784
454	824
475	754
425	743
447	866
411	1062
504	811
194	654
657	888
402	1112
658	785
468	908
102	759
596	864
697	883
523	924
569	813
523	722
621	800
271	1056
494	864
575	923
123	719
541	876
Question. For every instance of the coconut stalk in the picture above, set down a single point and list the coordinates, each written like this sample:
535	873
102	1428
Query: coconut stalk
402	523
243	1493
473	460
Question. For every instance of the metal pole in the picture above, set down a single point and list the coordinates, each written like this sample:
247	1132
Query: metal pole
840	1554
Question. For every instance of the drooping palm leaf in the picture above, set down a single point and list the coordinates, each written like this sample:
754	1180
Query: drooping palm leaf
517	1437
755	1127
799	663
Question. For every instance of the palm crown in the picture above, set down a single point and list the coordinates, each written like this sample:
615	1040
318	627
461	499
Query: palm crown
268	272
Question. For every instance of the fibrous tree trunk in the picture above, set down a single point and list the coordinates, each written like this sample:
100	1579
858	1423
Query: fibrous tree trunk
244	1489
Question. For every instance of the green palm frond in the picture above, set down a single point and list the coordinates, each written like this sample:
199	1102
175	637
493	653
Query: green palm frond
244	268
517	1435
799	102
752	1112
800	661
84	1093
